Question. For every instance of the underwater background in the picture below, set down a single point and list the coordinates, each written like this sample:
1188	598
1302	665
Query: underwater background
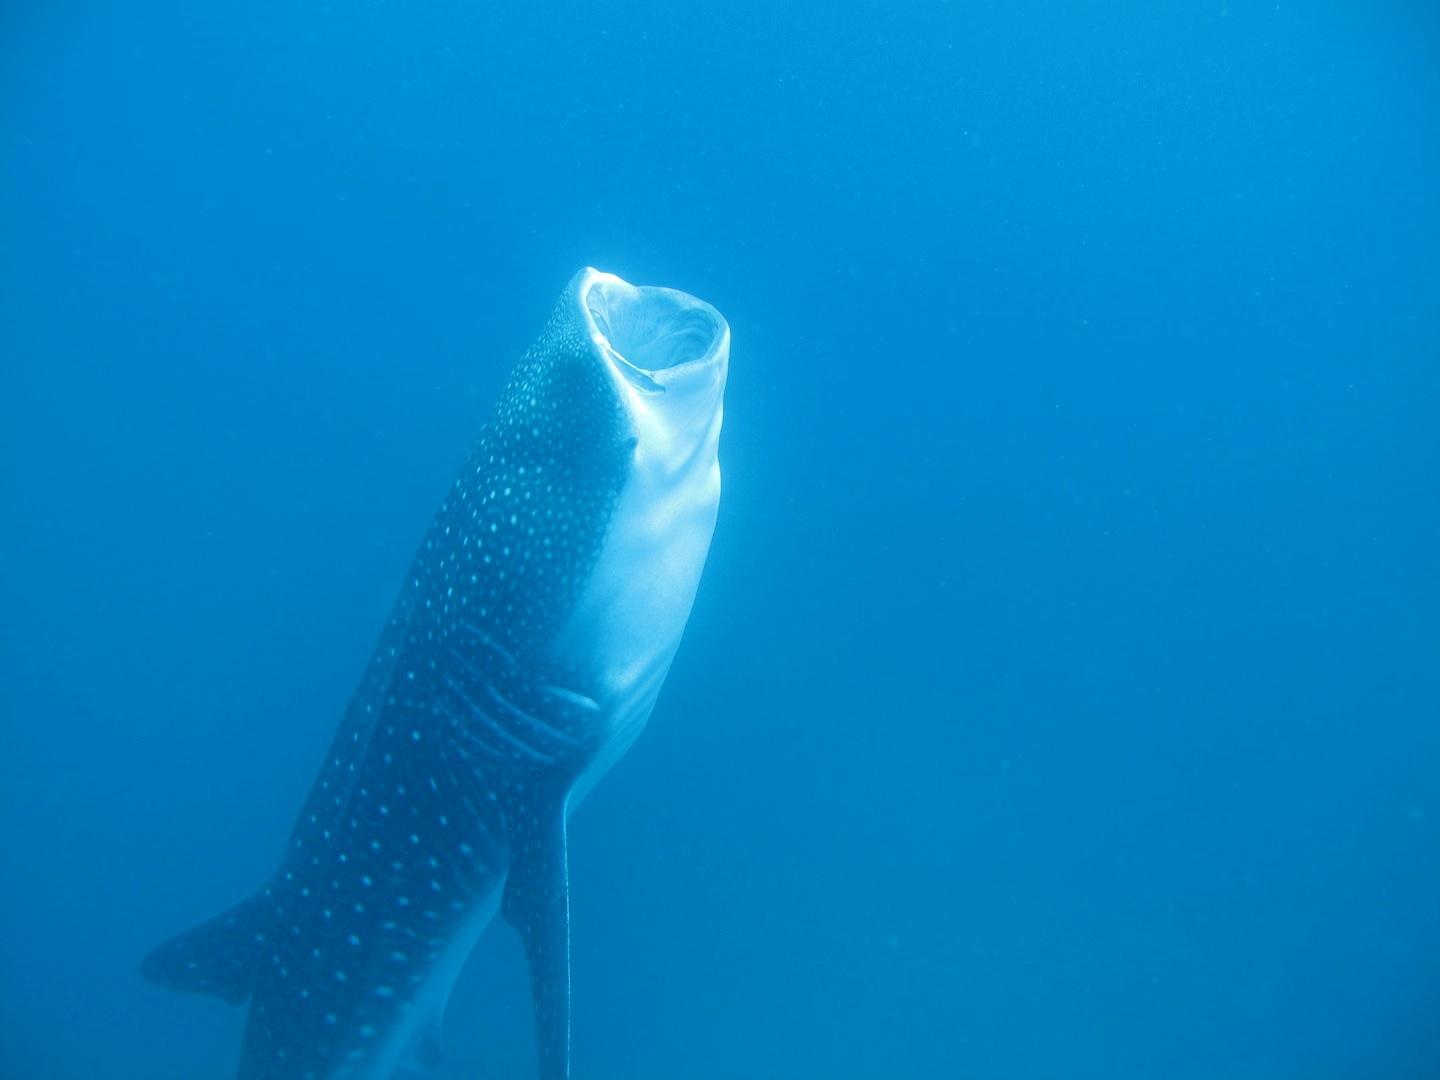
1062	698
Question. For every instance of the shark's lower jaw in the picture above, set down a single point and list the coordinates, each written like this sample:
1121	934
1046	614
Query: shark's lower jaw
650	334
525	652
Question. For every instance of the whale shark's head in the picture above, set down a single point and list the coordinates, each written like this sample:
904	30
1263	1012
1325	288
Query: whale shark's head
667	355
670	351
572	543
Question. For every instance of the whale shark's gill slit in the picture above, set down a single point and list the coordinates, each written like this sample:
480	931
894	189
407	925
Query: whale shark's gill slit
467	740
477	714
473	729
505	705
488	643
533	722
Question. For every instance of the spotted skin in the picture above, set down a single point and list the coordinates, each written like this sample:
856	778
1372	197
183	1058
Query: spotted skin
446	787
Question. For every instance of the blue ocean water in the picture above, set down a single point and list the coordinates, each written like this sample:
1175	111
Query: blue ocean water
1062	698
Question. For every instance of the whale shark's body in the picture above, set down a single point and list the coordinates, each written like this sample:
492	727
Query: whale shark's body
524	654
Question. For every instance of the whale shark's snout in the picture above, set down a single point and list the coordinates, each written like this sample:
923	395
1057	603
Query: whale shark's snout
658	339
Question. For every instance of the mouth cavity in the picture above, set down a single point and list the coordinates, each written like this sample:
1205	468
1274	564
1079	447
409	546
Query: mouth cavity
649	332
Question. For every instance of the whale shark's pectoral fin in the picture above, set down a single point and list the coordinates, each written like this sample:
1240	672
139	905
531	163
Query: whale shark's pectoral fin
425	1054
221	956
537	904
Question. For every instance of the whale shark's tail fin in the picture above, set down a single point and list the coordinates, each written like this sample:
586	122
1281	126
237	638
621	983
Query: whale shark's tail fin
221	956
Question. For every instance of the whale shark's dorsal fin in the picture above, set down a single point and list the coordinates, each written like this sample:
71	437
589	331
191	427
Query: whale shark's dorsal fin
537	904
221	956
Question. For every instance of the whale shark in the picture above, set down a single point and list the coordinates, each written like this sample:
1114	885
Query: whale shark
524	654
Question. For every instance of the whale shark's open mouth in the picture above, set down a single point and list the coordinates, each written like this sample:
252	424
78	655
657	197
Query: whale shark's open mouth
650	333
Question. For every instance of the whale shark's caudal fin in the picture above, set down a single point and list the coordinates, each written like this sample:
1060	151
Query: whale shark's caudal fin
221	956
537	904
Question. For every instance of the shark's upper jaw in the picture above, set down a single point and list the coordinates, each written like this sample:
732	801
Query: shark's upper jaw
656	338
